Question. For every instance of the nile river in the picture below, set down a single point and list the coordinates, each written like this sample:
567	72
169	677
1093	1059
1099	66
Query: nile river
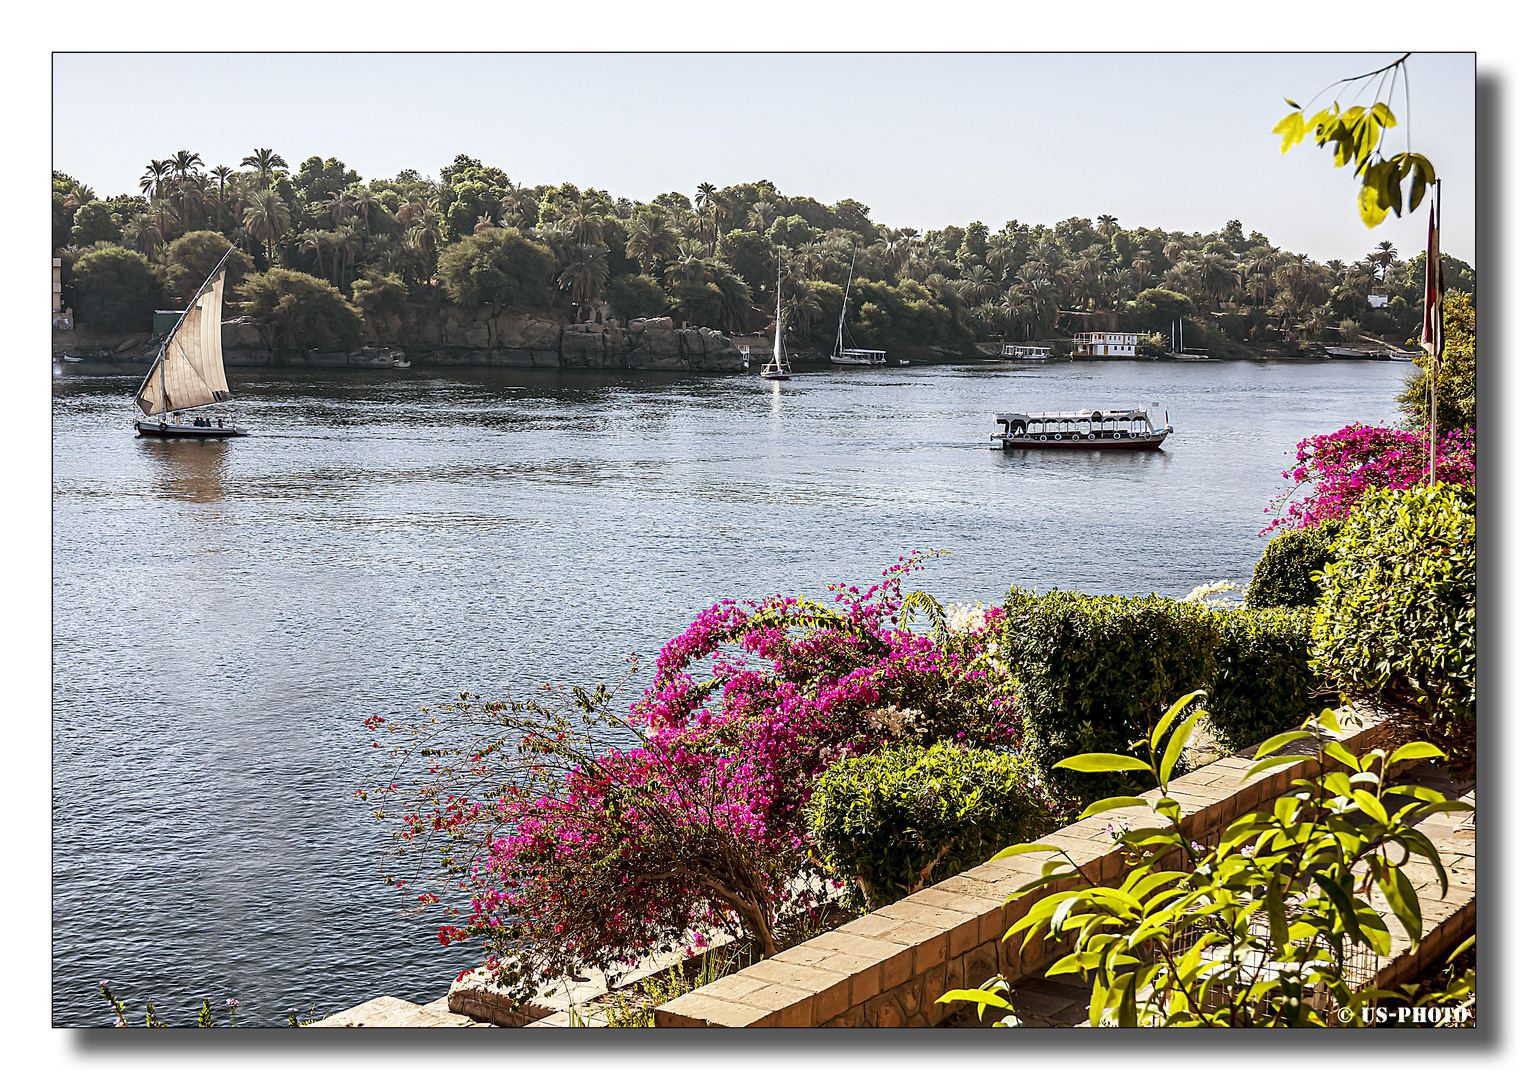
225	615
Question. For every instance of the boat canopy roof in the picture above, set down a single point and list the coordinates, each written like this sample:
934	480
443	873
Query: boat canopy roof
1096	416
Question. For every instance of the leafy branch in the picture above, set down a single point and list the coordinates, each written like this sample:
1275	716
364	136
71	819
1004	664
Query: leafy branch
1356	136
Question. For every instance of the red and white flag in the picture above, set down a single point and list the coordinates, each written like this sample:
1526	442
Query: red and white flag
1432	300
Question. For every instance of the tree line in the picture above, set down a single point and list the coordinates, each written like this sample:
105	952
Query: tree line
351	252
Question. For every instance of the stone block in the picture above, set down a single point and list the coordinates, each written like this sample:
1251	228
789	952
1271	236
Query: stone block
829	1003
884	1011
713	1011
930	954
864	985
963	937
981	964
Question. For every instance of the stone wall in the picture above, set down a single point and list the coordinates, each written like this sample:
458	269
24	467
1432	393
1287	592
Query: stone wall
452	336
890	967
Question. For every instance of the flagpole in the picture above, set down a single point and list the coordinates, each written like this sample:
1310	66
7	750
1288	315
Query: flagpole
1437	344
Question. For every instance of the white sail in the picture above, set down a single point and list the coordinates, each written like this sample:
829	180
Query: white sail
189	369
778	353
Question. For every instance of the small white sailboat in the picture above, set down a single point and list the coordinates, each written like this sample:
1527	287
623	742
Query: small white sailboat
853	357
188	372
778	367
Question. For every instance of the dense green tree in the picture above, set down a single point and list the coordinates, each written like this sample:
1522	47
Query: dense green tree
114	289
95	221
190	258
499	268
378	297
637	296
698	303
302	311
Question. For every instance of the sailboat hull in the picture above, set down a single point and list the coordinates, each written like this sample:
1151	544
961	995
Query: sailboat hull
154	429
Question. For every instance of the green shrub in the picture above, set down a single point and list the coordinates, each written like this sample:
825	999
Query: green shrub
114	289
304	312
1285	575
1093	672
901	818
1263	683
1397	613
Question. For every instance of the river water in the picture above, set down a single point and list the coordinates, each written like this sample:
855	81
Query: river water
227	614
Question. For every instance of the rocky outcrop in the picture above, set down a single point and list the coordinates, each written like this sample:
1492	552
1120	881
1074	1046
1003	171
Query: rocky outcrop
446	334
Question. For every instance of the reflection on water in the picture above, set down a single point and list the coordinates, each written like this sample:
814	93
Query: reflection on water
189	469
227	613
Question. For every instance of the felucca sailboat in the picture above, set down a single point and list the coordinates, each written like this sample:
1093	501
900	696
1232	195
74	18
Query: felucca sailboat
777	367
852	357
188	372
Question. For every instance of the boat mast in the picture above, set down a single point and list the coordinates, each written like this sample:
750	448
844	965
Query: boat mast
842	315
779	278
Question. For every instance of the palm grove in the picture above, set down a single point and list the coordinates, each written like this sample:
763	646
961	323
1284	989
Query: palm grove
325	259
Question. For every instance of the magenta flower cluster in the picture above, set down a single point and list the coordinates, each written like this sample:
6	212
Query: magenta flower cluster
700	826
1343	466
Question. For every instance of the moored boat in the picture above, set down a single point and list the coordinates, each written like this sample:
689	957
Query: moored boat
852	357
1096	429
778	367
188	371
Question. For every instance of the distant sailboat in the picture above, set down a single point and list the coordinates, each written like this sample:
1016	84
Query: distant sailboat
188	372
852	357
778	367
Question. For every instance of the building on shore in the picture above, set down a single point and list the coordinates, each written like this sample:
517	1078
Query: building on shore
1105	344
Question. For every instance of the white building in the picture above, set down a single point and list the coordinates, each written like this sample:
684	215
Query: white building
1104	344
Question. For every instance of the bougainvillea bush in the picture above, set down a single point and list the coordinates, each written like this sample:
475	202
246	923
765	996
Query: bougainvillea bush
587	836
1343	466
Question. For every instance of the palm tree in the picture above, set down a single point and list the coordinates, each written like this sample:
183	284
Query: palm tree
365	203
183	162
313	241
1141	266
586	273
801	307
154	177
78	196
141	234
266	218
689	263
164	214
650	240
265	163
977	285
347	245
339	209
1108	225
221	173
1384	255
762	216
1174	252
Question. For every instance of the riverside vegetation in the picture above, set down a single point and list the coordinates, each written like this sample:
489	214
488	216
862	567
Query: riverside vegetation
793	763
328	261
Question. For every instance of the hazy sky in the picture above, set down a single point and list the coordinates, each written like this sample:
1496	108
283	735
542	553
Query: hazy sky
1173	140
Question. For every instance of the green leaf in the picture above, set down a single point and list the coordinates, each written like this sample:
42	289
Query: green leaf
1170	715
1381	112
1176	743
1272	763
1103	763
1023	849
1403	901
1292	128
1415	750
1116	803
982	998
1278	742
1370	212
